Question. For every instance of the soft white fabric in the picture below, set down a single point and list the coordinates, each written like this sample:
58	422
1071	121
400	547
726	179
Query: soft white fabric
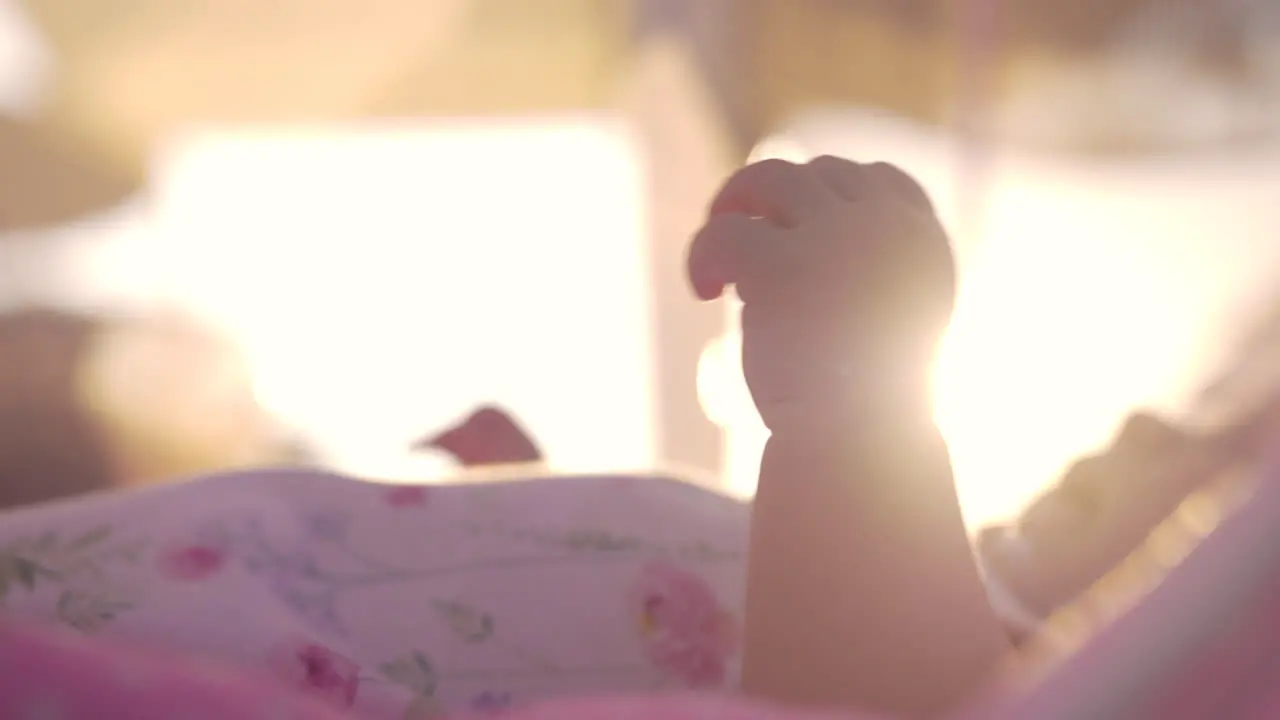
388	597
385	597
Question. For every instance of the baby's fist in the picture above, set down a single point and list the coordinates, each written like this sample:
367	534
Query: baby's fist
846	278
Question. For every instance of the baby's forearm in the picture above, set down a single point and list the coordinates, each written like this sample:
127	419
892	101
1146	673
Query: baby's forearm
862	589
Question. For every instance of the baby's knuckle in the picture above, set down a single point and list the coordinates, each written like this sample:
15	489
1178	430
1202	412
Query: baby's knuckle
832	160
900	183
771	163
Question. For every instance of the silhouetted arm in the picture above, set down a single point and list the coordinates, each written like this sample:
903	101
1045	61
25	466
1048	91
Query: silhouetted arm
862	589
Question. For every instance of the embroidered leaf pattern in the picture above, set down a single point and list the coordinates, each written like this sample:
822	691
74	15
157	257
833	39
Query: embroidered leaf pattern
74	567
19	571
592	540
90	538
25	571
423	708
413	671
599	540
465	621
88	611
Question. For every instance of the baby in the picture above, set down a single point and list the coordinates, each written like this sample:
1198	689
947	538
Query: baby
862	591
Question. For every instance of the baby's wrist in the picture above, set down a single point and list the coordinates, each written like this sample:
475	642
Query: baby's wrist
850	392
850	405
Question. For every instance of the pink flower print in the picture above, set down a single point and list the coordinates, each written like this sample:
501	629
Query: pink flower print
406	496
317	670
684	630
191	562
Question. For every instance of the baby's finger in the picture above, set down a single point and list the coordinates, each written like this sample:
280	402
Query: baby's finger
722	251
890	179
774	189
854	181
844	177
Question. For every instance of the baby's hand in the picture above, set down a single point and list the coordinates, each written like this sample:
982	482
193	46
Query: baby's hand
489	436
846	278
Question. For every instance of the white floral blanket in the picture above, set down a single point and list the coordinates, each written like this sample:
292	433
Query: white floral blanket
398	601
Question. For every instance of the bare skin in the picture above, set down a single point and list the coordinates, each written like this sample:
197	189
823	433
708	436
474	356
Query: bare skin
862	590
488	436
1201	645
1103	509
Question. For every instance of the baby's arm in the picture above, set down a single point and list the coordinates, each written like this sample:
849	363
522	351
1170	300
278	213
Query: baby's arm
862	589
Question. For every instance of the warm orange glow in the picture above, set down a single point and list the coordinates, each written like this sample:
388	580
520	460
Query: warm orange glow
1095	289
383	279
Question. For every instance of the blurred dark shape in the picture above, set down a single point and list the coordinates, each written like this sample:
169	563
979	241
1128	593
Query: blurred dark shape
50	447
43	183
92	403
489	436
1117	522
176	399
1102	483
1101	510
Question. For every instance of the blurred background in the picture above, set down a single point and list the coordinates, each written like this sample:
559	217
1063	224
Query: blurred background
243	232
